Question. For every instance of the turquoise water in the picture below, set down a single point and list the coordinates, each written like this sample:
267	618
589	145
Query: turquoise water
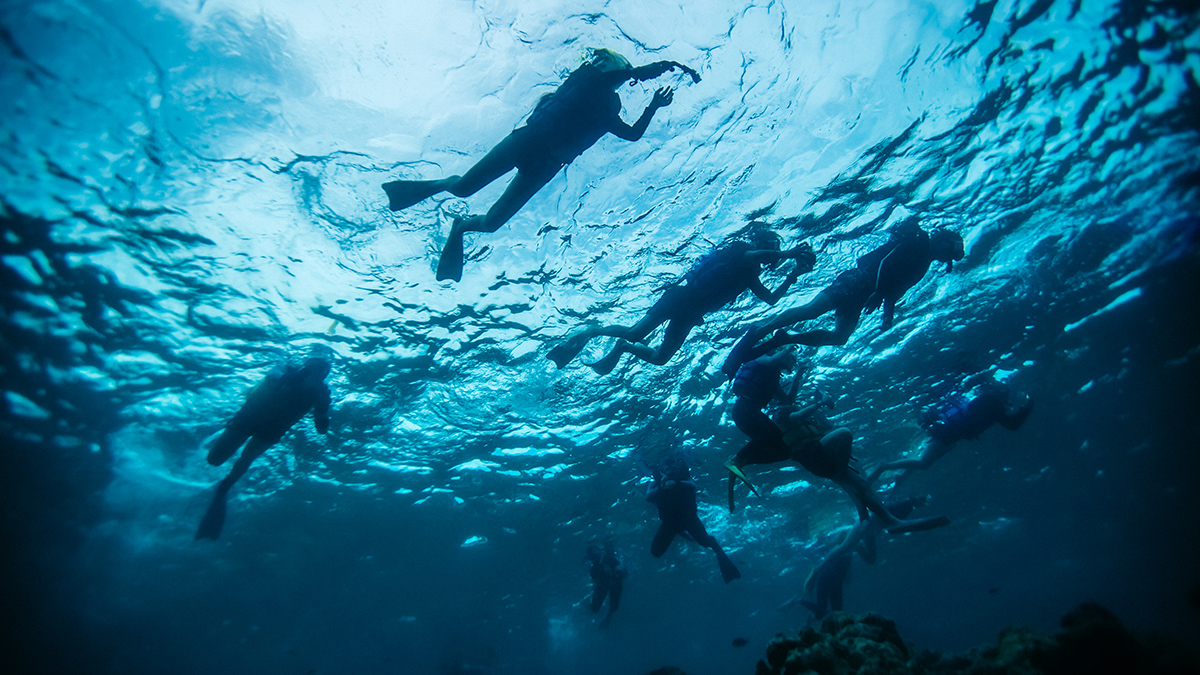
191	192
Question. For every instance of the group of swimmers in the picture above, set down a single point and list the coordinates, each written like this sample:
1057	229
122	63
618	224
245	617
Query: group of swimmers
562	125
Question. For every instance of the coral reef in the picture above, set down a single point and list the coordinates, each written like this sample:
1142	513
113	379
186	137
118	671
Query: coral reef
1092	640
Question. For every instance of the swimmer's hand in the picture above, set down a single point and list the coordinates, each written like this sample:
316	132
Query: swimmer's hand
662	98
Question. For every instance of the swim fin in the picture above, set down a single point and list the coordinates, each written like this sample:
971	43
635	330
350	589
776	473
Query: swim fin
214	518
570	348
919	525
729	571
605	365
404	193
734	470
451	263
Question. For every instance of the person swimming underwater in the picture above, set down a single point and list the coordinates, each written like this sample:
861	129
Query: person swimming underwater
674	493
608	578
880	278
715	281
961	417
825	583
562	125
756	384
280	400
824	451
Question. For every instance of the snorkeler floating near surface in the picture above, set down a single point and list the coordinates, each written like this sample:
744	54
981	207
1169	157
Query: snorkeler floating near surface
961	417
756	384
822	449
881	277
562	125
608	577
718	279
827	579
284	396
674	493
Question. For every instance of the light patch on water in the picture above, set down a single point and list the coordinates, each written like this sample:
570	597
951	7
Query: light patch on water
24	268
531	452
1121	299
23	407
476	465
400	468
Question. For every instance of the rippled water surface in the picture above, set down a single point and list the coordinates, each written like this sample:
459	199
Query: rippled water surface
191	193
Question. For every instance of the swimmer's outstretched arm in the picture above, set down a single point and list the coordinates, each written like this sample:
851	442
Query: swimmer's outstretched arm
804	258
653	70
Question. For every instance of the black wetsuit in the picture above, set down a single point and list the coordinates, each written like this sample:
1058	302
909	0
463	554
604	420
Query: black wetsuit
676	502
608	577
968	418
755	384
908	254
717	280
803	440
284	396
569	121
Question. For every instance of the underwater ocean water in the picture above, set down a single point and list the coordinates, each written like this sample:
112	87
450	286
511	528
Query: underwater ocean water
191	193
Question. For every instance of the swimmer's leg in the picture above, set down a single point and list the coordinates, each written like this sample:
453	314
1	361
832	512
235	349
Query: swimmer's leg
226	445
214	518
931	451
676	333
522	188
499	161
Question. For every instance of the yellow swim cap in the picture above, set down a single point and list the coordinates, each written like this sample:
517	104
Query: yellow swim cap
608	61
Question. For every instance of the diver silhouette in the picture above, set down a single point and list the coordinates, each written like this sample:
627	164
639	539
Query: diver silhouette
284	396
608	573
880	277
961	417
756	384
825	583
562	125
815	444
674	493
717	280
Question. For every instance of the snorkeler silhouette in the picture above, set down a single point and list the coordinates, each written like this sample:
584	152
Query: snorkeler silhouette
881	277
756	384
562	125
824	451
717	280
284	396
825	583
674	493
960	417
608	577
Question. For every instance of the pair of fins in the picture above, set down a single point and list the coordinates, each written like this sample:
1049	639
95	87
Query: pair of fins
405	193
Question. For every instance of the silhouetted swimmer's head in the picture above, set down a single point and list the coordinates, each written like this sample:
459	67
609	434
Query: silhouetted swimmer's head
608	61
763	239
317	366
947	247
784	358
674	468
